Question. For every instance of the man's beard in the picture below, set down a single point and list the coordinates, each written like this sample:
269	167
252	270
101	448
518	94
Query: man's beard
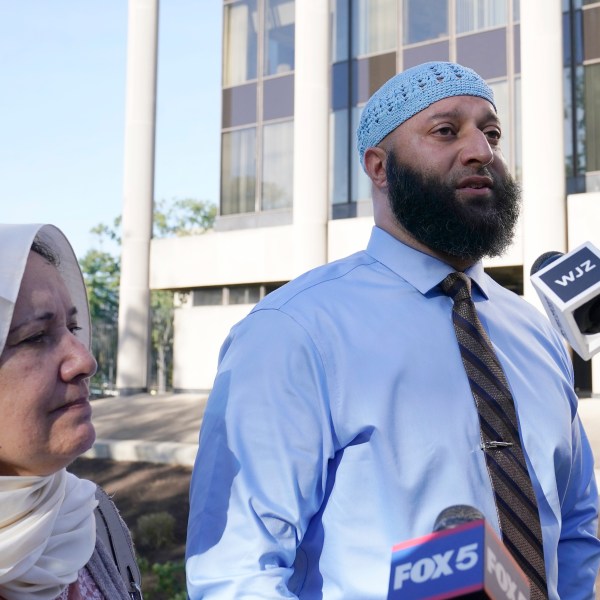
431	212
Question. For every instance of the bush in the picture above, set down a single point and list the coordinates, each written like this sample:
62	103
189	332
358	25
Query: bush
155	530
163	581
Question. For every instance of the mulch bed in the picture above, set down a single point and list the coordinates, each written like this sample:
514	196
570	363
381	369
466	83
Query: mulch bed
141	488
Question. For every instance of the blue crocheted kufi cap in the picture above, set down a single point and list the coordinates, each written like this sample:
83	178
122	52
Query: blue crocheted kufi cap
410	92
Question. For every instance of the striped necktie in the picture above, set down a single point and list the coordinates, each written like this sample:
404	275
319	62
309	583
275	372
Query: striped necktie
500	441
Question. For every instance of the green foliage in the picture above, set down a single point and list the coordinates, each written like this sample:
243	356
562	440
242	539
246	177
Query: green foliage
183	217
171	576
155	530
105	232
163	581
102	270
161	307
101	273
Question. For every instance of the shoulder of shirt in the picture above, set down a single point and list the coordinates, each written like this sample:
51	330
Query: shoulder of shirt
513	302
329	273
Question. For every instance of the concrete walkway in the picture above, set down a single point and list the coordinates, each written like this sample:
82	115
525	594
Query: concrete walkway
164	428
160	428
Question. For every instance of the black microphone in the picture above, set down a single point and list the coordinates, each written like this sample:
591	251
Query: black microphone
543	260
569	287
462	558
456	515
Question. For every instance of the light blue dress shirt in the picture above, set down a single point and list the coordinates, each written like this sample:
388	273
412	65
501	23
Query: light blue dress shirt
341	422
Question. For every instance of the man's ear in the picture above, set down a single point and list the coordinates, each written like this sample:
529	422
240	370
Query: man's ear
375	165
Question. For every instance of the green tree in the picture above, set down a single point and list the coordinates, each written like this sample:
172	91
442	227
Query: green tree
101	272
183	217
162	313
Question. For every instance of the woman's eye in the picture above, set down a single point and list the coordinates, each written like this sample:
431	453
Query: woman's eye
37	338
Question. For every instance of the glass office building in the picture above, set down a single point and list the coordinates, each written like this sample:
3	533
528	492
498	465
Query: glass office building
370	41
296	74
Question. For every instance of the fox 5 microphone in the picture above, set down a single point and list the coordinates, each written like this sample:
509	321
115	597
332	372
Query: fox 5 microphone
462	558
569	287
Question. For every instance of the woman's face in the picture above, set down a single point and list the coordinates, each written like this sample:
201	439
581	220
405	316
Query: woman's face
45	412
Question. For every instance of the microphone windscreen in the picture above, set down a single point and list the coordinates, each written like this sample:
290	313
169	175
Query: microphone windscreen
544	259
453	516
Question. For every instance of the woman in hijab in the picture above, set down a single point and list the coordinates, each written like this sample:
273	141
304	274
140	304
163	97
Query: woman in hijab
48	517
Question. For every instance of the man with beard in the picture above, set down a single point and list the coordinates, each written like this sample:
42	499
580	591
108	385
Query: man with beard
342	419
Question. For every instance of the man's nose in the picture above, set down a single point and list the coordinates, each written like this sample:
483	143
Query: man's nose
476	148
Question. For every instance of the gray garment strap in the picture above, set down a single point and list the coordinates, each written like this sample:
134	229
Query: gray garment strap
114	536
107	578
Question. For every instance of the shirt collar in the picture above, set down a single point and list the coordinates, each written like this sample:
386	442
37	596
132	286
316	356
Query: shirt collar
422	271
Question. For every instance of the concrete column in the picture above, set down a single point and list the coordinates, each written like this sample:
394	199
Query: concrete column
134	304
311	122
542	112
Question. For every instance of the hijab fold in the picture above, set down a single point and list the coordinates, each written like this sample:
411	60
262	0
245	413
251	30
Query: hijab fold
47	533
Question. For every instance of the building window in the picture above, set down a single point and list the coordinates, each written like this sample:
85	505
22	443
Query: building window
238	171
374	24
591	41
346	186
367	32
258	106
425	20
518	169
473	15
474	51
501	98
339	159
239	106
278	98
592	117
360	182
240	43
279	37
244	294
340	21
230	295
277	165
207	297
575	121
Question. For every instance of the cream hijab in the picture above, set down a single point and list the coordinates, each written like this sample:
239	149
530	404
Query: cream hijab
47	526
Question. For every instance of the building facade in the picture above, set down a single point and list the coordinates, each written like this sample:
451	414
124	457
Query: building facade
296	74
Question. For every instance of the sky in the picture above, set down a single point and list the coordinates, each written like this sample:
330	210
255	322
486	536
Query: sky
62	109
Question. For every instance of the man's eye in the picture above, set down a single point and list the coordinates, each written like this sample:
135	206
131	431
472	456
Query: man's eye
493	134
74	329
444	131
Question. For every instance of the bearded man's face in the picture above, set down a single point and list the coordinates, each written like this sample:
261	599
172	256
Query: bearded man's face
468	228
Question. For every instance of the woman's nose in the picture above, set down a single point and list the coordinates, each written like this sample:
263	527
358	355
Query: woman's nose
78	361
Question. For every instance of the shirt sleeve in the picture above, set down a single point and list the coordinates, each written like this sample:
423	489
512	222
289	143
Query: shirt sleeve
260	473
579	547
